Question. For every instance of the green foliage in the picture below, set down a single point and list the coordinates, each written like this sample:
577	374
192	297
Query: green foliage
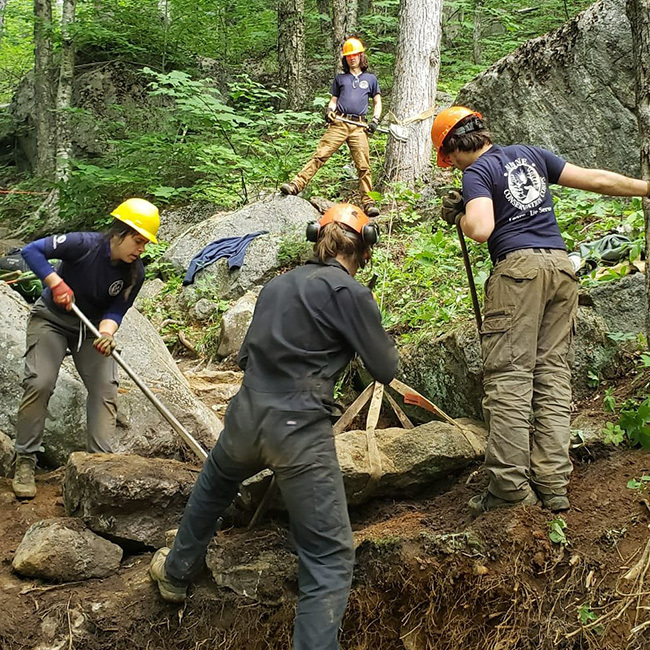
633	426
613	434
585	614
641	484
293	252
16	46
557	531
609	402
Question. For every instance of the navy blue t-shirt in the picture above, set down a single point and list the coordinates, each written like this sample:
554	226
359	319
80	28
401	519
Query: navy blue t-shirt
516	178
353	92
99	285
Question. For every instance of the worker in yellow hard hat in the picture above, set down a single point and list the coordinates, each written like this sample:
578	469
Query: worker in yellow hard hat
102	273
346	122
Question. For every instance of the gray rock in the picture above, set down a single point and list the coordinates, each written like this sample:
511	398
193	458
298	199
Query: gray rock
410	459
283	217
570	91
150	291
63	549
260	567
140	427
204	309
235	322
6	455
128	498
174	222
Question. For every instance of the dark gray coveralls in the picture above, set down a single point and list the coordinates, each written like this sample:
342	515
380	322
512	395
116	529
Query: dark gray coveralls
307	325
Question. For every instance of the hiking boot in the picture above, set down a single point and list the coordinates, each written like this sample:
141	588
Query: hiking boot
371	210
23	485
289	188
172	593
487	501
555	502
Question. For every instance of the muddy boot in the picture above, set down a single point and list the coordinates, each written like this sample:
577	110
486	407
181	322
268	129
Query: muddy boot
289	188
172	593
371	210
487	501
555	502
23	485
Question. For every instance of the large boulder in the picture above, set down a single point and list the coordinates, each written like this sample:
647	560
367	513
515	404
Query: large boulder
132	500
570	91
285	218
140	428
448	370
235	322
63	549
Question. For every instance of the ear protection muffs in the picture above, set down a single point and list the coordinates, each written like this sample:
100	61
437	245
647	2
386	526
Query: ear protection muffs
351	216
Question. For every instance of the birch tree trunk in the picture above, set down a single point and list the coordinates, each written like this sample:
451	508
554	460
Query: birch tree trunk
43	89
291	50
64	92
338	32
417	64
3	6
638	13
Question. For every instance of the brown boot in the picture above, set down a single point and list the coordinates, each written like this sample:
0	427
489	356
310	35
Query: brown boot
23	485
289	188
371	210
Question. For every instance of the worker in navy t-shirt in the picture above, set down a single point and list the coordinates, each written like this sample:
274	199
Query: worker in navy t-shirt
531	300
350	93
101	274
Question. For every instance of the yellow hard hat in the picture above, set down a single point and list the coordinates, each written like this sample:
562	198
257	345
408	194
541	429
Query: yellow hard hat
141	215
353	46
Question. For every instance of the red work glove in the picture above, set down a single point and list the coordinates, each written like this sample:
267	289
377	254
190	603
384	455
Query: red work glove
62	295
105	344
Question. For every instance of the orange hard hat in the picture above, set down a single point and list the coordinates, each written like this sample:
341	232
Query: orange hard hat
353	46
444	123
349	215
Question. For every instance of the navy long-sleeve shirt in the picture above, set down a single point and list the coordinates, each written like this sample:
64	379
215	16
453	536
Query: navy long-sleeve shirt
307	325
99	284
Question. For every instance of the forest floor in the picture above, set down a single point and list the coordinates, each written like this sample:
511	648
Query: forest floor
427	577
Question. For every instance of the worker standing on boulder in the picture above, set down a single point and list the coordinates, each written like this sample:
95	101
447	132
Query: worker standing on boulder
102	274
307	325
350	92
531	299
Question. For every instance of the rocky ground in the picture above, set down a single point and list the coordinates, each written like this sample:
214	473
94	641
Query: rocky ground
427	577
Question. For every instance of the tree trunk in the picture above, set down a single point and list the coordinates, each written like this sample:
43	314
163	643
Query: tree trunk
351	17
64	92
3	6
338	32
477	53
43	89
291	50
638	13
417	64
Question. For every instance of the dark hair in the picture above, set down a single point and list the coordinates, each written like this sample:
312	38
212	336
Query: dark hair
475	137
335	239
120	231
363	62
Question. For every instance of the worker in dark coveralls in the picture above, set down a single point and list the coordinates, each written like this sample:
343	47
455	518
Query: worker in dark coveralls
102	273
531	300
308	324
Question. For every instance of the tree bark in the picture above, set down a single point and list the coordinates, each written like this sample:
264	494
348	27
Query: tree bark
338	32
291	51
44	89
417	64
351	17
64	92
638	13
477	53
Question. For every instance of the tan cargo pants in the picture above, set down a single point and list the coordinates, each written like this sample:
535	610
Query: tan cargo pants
49	335
530	309
333	138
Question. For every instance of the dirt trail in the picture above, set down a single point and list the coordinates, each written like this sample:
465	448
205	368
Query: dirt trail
427	577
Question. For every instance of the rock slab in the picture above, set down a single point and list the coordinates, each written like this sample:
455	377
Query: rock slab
64	550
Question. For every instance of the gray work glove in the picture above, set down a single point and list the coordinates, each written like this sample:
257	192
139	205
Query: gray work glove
374	124
452	207
104	344
330	116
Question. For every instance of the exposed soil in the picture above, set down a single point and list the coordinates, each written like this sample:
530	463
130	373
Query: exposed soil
427	577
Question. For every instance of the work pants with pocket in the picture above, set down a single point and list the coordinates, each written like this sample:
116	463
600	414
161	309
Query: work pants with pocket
293	438
49	335
530	310
333	138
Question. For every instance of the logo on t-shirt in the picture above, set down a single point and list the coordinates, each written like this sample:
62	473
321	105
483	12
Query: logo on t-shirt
115	288
363	84
526	188
58	239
